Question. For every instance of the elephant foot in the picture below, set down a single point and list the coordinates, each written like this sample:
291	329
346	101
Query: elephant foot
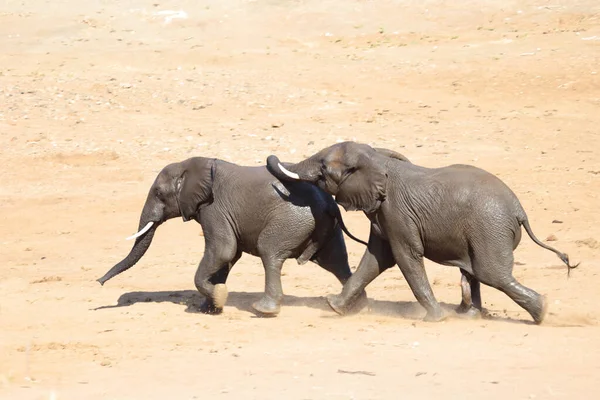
220	295
337	304
267	307
469	313
437	315
544	310
463	308
359	304
209	308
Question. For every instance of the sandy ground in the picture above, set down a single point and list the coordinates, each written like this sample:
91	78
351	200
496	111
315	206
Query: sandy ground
96	97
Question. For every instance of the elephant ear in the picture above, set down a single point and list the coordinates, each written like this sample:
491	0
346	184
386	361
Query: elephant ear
195	186
363	187
392	154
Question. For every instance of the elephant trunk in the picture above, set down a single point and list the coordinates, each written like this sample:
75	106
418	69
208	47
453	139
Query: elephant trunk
139	249
143	238
303	171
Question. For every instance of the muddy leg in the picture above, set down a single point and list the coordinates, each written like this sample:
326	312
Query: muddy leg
534	303
218	280
493	267
471	296
334	258
270	303
413	269
376	259
215	259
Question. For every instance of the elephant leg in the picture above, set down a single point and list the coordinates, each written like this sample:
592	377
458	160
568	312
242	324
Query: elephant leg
494	268
333	257
219	278
212	263
413	269
471	296
270	303
533	302
377	258
221	275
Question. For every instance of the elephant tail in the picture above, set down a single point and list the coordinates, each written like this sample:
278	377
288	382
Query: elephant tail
564	257
335	212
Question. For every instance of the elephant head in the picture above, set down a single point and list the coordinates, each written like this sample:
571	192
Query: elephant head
179	190
354	173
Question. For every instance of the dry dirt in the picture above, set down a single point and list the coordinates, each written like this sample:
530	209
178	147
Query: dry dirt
96	97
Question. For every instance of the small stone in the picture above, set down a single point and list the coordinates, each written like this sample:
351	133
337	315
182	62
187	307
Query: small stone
557	221
276	124
551	238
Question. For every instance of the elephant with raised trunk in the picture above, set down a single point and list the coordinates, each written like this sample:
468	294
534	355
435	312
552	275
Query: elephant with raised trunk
243	210
458	215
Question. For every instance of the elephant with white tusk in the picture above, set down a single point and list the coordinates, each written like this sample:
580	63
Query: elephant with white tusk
243	210
458	215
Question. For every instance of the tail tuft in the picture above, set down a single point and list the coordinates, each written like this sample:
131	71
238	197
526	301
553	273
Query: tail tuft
565	258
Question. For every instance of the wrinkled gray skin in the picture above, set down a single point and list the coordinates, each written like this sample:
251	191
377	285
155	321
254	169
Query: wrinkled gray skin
458	216
244	210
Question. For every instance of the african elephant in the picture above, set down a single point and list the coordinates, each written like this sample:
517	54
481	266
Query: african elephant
243	210
457	215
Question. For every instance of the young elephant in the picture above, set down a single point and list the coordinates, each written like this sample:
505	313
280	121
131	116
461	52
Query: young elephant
458	215
243	210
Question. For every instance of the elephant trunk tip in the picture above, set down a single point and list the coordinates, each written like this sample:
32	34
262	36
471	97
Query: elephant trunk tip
101	281
273	163
274	167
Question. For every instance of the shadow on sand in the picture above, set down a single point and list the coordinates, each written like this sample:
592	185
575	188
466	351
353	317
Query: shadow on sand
242	301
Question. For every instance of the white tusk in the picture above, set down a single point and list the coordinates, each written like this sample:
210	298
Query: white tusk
291	174
142	231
